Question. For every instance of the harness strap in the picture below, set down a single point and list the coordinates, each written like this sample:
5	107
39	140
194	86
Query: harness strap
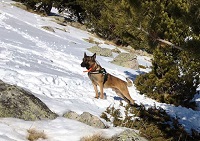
105	74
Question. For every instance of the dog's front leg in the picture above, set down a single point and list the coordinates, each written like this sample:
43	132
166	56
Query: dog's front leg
95	89
101	90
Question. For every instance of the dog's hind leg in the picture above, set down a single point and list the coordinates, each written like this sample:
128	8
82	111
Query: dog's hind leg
121	95
127	95
118	92
132	102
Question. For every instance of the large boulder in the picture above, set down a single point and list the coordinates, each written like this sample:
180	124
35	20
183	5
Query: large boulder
128	60
101	51
18	103
86	118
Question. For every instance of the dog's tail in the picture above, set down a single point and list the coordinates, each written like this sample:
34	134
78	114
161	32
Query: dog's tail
129	82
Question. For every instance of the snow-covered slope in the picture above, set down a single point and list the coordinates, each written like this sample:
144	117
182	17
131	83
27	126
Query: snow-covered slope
48	65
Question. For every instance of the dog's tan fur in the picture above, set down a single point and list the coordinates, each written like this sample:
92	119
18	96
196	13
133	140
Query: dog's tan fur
118	85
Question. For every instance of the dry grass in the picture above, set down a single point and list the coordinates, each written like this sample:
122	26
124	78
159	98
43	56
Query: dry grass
19	5
35	135
109	43
97	137
91	40
78	25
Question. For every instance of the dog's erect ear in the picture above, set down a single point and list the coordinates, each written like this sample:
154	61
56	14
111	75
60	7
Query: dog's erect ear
85	54
94	56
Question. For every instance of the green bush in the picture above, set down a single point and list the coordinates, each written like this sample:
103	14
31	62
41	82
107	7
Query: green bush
153	123
174	77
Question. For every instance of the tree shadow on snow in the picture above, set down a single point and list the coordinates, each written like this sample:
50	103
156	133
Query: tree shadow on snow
115	97
133	76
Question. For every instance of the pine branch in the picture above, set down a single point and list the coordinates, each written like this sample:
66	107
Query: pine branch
160	40
169	43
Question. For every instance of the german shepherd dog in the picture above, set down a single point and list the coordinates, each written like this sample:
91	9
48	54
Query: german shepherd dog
100	77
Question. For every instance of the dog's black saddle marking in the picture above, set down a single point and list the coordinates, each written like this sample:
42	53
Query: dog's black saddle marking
103	71
105	74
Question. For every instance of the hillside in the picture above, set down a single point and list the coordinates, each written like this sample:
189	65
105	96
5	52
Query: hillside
48	65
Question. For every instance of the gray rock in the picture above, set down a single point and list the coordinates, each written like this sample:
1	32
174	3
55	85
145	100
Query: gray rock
91	120
86	118
71	115
101	51
116	50
143	53
17	103
128	60
130	135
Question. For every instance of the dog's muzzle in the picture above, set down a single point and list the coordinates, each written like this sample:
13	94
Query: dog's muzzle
83	64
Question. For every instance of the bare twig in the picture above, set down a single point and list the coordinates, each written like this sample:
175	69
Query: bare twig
169	43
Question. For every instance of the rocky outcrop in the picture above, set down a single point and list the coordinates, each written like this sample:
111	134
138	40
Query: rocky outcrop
137	51
128	60
116	50
130	135
17	103
86	118
101	51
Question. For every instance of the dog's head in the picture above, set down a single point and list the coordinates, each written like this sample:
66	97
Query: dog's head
88	61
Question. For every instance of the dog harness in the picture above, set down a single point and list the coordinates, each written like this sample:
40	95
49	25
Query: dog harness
103	71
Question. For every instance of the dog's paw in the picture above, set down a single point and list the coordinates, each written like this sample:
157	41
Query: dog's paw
104	97
101	97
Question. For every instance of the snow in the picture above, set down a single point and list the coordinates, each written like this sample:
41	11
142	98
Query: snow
48	65
55	130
